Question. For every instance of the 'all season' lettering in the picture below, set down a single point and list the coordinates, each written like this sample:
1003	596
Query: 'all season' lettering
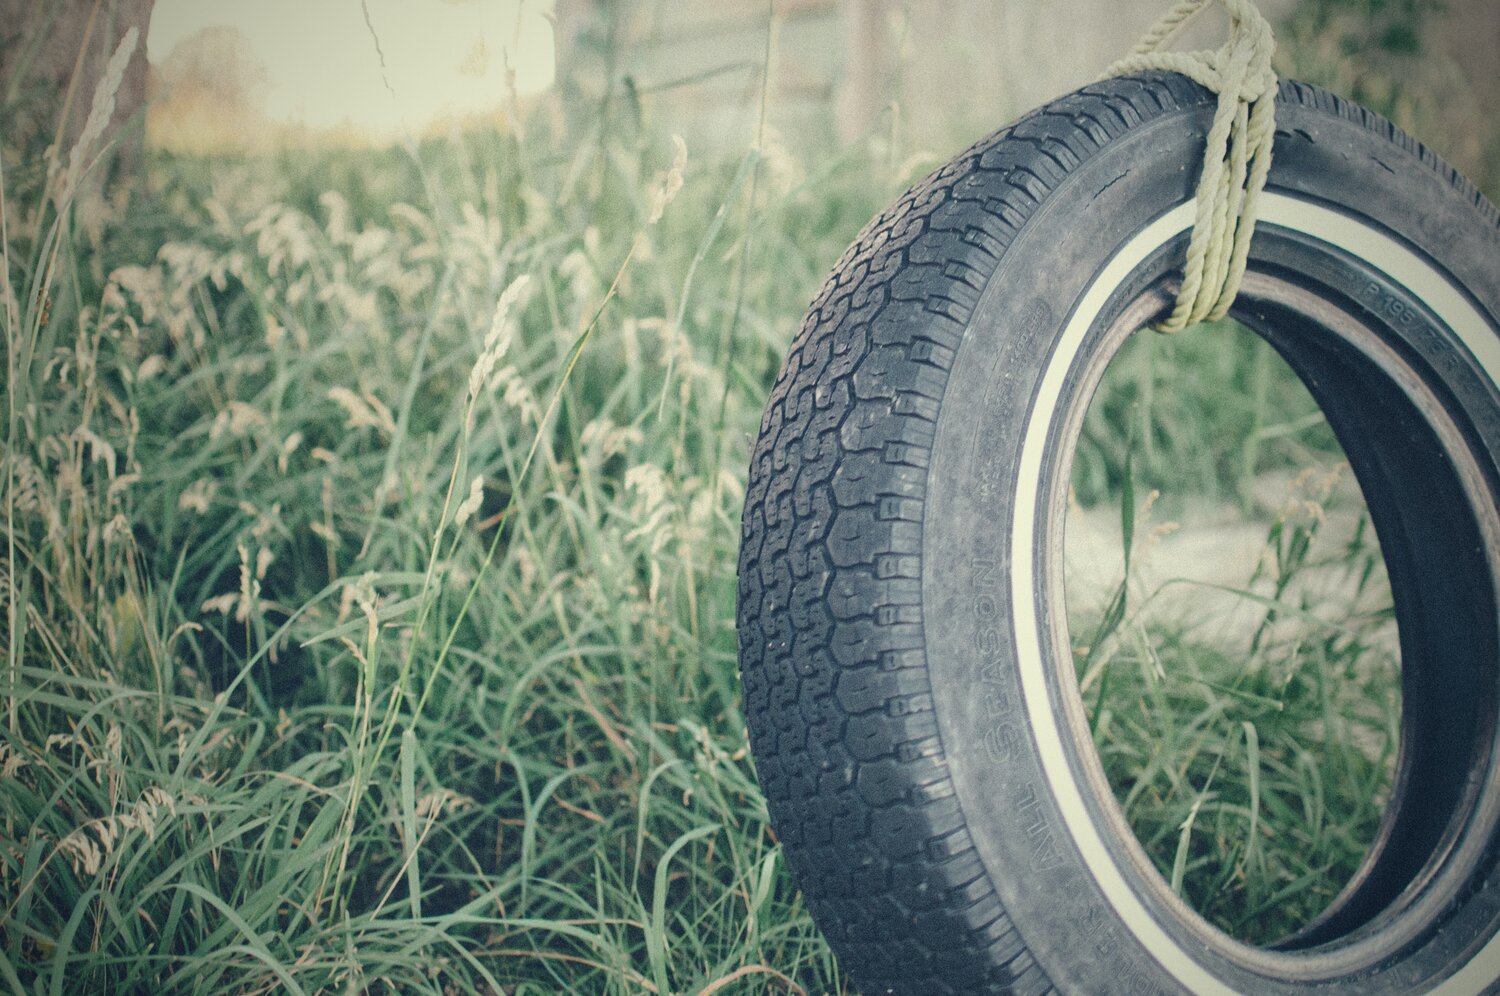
1003	739
988	643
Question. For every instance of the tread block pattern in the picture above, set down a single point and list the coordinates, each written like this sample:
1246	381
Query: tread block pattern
829	618
829	615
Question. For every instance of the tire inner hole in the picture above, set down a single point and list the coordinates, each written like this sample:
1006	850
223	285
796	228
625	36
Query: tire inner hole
1232	628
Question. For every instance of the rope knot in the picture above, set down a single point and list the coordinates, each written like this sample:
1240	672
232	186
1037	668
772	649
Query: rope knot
1237	158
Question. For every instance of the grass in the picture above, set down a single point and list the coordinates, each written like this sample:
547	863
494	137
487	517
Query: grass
369	587
1246	707
368	583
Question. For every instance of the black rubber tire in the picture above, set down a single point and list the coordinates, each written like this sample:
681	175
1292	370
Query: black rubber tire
911	699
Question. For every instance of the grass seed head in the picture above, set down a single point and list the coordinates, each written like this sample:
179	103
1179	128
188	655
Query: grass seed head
471	503
672	183
101	112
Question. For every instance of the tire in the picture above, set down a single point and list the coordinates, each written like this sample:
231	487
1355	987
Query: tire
911	699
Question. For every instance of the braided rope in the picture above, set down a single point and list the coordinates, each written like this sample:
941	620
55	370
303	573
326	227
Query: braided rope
1237	158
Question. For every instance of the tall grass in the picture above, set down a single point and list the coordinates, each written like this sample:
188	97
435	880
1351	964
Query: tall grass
370	525
1241	674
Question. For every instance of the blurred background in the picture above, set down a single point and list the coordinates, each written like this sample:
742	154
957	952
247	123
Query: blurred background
230	76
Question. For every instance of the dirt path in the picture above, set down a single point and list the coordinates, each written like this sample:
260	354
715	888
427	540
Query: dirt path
1194	561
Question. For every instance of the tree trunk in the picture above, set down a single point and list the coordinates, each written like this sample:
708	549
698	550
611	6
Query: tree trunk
52	57
868	67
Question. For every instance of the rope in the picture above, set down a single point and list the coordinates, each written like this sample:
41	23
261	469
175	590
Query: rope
1238	154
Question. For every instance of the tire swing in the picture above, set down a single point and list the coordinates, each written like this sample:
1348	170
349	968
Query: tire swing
908	682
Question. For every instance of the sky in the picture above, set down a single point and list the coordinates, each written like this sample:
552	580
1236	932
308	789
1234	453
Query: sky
442	57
